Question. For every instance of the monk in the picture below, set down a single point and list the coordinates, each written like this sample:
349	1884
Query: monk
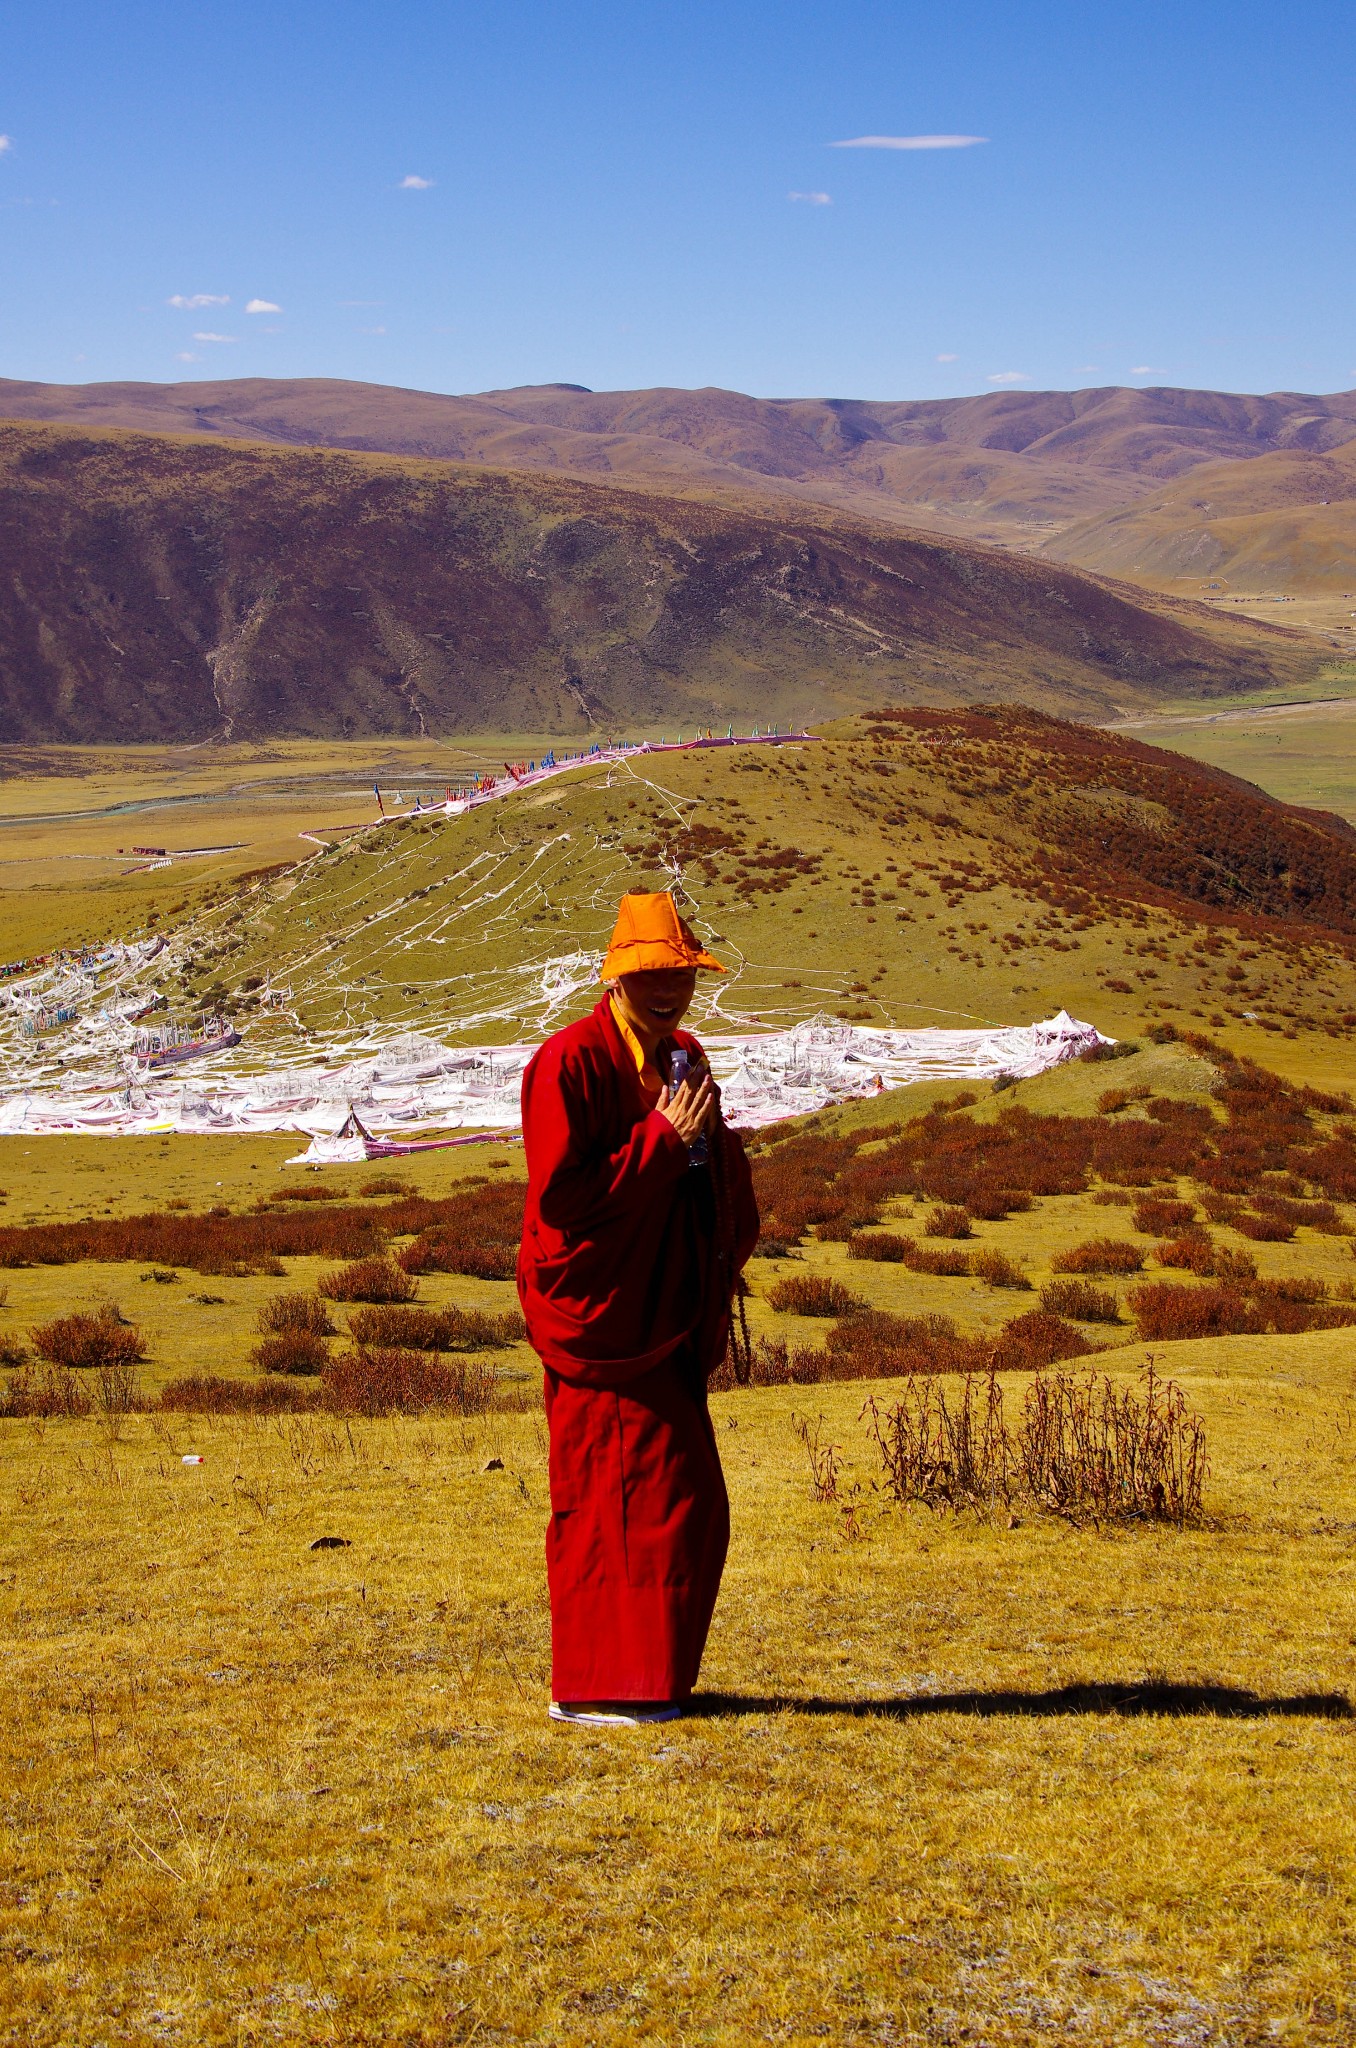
640	1216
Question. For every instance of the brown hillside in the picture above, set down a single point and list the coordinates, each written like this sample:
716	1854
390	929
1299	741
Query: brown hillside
1282	522
1010	465
158	588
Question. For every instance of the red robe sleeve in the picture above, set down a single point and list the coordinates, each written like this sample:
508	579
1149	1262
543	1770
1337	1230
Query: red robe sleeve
619	1264
580	1188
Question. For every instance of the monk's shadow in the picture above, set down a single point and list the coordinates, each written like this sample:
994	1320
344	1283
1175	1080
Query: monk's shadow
1152	1698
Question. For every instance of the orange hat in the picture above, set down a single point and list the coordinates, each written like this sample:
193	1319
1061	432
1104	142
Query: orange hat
649	933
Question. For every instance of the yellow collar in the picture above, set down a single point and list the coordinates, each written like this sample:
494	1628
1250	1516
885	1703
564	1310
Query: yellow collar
633	1044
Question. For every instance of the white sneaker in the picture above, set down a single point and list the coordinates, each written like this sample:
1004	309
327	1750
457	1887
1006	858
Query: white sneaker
602	1717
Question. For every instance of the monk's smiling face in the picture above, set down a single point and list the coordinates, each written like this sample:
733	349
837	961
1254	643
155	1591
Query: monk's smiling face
655	1003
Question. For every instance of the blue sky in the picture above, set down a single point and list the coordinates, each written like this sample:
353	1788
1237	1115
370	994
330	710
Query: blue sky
604	194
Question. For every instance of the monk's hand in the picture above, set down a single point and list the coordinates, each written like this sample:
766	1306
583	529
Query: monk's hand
688	1107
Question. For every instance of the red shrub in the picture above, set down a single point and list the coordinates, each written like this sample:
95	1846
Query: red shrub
948	1221
1156	1215
997	1269
434	1329
369	1280
1081	1300
1263	1229
949	1265
888	1245
394	1382
293	1351
1191	1254
874	1345
1100	1255
809	1295
1164	1311
444	1251
81	1341
991	1205
205	1394
44	1391
1037	1339
295	1312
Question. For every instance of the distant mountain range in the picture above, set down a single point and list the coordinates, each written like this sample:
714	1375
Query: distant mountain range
155	587
1155	484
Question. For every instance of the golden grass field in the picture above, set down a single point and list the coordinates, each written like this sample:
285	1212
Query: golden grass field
951	1778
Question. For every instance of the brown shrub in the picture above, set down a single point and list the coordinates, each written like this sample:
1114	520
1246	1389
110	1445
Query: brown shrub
810	1295
991	1205
45	1391
442	1251
374	1279
1081	1300
206	1394
1191	1254
81	1341
382	1381
948	1220
997	1269
888	1245
300	1195
1099	1255
212	1244
874	1345
1263	1229
1156	1215
947	1265
1113	1198
297	1351
386	1184
395	1327
295	1312
1087	1450
1037	1339
13	1350
1164	1311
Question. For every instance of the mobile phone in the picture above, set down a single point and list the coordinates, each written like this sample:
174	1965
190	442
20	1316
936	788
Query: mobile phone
679	1071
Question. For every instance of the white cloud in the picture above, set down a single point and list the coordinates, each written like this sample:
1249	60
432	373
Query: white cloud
416	184
214	337
946	359
186	355
1008	377
1145	370
6	143
371	330
910	142
262	306
197	299
811	198
1089	369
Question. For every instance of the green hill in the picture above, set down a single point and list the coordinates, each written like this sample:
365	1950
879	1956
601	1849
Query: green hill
921	867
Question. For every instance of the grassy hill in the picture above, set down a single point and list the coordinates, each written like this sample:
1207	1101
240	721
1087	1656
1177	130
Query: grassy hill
160	588
920	867
1282	522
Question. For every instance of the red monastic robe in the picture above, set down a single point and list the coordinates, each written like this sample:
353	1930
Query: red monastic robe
627	1307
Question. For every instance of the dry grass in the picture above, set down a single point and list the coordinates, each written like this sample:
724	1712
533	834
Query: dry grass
1042	1784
